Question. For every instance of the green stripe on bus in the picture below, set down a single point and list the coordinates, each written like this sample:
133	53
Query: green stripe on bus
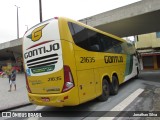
129	65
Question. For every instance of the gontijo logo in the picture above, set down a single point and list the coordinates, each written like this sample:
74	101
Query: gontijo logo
41	57
36	33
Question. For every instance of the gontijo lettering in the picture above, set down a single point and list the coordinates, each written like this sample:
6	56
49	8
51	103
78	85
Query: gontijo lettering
113	59
41	50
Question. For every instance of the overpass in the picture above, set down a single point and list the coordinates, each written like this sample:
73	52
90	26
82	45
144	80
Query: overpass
8	50
137	18
134	19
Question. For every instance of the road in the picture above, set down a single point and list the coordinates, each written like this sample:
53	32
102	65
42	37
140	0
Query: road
147	100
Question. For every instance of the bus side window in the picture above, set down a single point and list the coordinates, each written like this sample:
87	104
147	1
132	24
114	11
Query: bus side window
94	42
118	49
79	35
71	28
106	44
85	38
110	44
95	47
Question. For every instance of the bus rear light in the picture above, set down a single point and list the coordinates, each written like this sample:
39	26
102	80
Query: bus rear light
68	79
27	84
55	17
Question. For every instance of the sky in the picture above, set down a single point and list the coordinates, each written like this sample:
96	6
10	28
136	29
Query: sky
29	12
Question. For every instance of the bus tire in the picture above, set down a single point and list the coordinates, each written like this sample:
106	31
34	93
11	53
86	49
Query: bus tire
105	91
114	85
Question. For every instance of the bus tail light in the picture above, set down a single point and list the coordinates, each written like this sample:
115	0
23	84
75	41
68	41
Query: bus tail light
27	84
55	17
68	79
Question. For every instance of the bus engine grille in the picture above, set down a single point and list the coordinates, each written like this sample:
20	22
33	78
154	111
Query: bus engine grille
43	61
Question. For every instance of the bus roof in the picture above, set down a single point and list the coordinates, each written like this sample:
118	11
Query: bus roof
92	28
84	25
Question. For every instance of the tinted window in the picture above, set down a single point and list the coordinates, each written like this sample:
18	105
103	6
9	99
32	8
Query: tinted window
93	41
110	44
79	35
118	49
71	28
128	48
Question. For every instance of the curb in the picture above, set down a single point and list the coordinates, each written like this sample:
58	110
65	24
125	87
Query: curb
16	107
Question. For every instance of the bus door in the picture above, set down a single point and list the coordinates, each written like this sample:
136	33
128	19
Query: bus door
85	76
86	84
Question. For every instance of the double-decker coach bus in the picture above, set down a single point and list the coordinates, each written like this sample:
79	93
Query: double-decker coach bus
68	63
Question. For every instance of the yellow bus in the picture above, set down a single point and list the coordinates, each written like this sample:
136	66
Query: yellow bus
67	63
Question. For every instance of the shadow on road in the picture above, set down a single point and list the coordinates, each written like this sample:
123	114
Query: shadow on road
153	76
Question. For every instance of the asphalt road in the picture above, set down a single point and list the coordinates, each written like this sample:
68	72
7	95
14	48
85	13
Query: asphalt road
148	100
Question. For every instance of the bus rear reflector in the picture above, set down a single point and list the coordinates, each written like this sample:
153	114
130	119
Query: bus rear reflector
27	85
68	79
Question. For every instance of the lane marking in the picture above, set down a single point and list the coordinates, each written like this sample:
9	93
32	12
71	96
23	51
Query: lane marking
33	118
39	108
121	106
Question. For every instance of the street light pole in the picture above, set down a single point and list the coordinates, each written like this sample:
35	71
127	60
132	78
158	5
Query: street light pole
40	10
17	22
85	20
27	27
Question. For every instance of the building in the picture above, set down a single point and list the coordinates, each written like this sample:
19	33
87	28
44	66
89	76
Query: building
11	55
149	47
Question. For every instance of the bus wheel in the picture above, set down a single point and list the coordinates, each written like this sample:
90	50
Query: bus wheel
105	91
114	85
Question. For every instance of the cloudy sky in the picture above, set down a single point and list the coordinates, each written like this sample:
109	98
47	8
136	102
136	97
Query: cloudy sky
29	12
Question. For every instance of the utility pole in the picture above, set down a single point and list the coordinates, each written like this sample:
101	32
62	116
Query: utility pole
40	10
85	20
17	22
27	27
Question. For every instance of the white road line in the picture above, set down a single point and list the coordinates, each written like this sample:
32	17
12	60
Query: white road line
39	108
33	118
121	106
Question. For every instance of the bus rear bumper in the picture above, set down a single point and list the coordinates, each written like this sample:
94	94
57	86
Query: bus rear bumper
56	100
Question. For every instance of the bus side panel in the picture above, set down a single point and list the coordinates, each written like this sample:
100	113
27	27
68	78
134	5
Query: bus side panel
132	63
85	62
86	85
92	67
69	60
122	68
131	67
98	85
115	66
108	69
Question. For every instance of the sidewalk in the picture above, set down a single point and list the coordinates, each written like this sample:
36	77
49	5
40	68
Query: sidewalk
150	75
14	98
